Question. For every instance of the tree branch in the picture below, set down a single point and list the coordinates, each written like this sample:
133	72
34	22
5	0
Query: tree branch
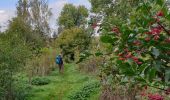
163	28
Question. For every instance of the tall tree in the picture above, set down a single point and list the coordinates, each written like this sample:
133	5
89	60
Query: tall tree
40	14
73	16
23	10
35	13
14	54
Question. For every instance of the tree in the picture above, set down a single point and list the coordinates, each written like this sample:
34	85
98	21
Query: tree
31	23
74	43
138	33
14	54
35	13
72	16
40	14
23	11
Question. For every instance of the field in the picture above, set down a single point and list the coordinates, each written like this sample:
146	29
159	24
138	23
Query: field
63	85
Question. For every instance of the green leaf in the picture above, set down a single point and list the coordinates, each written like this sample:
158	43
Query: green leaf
108	39
126	69
140	79
152	74
146	71
124	81
168	17
160	2
98	53
157	65
142	67
167	75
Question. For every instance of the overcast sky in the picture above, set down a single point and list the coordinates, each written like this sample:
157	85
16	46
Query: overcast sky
8	9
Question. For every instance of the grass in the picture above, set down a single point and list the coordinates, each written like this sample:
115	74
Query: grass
62	85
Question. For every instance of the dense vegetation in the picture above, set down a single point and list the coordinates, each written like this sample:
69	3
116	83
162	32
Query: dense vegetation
130	59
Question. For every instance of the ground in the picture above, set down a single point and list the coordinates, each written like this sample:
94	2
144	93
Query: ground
64	85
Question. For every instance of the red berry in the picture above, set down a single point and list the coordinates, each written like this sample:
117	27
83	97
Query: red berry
148	33
143	94
157	19
122	59
167	40
155	97
116	30
129	55
139	63
156	31
94	25
137	43
156	37
147	39
135	58
126	50
120	54
160	13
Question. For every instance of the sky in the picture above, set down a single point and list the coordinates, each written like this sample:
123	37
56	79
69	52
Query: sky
8	9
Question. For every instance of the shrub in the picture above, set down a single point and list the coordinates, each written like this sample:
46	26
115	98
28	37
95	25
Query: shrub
40	81
22	91
42	65
74	43
85	92
91	65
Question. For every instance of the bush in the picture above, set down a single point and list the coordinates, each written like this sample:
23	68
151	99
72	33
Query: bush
22	91
42	65
40	81
85	92
72	44
91	65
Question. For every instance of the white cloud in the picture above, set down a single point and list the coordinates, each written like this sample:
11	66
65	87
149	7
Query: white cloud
57	6
86	3
56	9
2	11
5	15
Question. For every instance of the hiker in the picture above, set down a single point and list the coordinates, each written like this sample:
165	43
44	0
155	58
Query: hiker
59	61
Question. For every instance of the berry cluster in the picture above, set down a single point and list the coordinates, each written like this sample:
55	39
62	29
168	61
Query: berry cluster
155	97
151	96
155	32
94	25
128	55
115	30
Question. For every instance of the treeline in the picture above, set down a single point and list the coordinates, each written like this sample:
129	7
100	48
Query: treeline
26	35
27	48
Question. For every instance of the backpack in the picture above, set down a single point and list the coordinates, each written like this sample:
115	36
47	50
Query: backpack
58	60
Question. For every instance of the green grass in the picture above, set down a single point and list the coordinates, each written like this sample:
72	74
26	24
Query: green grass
62	85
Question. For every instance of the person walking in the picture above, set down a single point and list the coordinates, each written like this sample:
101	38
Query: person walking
59	61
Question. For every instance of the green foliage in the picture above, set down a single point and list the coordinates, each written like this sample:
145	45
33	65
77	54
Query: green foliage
99	5
91	65
24	31
14	54
42	65
73	41
85	92
40	81
139	34
62	85
35	13
72	16
22	87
